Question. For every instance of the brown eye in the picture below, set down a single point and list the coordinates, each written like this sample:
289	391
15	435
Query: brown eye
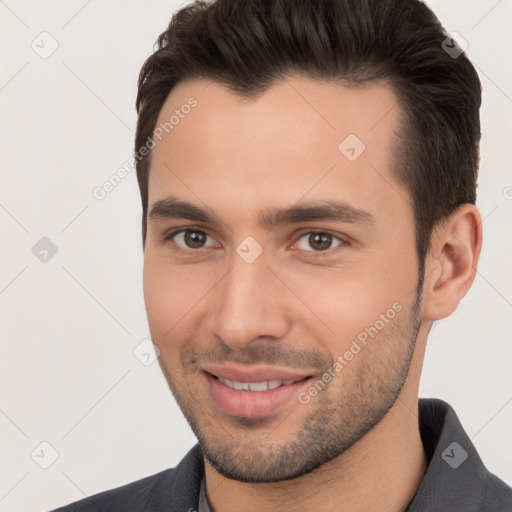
189	239
194	239
318	241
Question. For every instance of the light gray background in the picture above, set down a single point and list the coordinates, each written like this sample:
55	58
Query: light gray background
69	326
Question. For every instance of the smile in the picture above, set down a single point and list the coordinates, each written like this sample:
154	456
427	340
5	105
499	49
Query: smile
254	392
255	386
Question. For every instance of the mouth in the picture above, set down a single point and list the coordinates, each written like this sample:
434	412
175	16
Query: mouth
256	393
255	386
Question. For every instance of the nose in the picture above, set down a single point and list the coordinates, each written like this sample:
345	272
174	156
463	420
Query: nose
253	304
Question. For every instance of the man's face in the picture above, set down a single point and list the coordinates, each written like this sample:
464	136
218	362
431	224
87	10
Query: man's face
314	315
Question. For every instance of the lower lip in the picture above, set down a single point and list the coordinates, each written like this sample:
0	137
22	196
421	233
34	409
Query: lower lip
252	404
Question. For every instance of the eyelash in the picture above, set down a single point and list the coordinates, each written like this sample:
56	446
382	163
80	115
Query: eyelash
315	254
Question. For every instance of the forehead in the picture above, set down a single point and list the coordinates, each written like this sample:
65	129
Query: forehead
301	138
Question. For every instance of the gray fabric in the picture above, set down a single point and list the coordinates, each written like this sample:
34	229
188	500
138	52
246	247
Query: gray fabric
453	482
456	478
203	502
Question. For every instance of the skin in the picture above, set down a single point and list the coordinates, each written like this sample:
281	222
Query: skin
355	445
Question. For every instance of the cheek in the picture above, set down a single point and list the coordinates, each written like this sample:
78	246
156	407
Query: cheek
342	303
171	293
350	305
163	308
164	295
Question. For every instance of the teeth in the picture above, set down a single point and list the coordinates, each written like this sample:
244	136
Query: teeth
255	386
258	386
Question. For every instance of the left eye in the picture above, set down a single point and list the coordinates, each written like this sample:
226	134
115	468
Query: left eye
320	241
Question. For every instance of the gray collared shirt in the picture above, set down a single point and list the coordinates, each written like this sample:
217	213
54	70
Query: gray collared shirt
456	479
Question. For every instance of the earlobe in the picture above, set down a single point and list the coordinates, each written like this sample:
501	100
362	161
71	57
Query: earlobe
452	262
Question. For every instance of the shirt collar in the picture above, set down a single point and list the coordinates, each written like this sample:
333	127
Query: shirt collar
456	476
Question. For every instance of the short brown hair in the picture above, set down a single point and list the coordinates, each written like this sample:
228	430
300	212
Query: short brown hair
247	45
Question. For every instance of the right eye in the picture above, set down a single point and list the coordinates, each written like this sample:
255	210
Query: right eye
188	240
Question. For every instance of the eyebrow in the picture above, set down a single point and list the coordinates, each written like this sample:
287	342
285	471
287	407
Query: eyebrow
174	208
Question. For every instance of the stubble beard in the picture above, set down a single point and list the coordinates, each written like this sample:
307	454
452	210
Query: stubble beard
333	425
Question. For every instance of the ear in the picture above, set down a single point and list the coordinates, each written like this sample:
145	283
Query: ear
451	263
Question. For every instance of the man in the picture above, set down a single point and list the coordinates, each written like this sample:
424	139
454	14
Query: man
307	172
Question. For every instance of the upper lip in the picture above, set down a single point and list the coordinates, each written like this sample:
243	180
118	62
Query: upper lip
255	373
